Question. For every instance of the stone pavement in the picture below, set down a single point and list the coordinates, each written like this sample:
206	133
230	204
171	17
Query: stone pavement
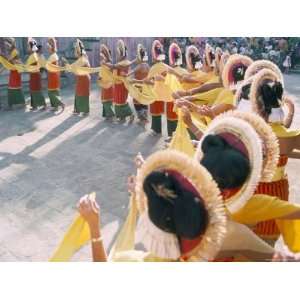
48	161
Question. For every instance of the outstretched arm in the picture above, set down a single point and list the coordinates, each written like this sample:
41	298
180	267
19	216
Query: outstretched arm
198	90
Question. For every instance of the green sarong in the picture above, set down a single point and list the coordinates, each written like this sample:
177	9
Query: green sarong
82	104
156	124
15	96
54	96
37	99
171	126
107	111
123	110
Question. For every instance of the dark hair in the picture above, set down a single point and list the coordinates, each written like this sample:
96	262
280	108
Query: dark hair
158	50
176	55
212	56
32	43
271	93
142	53
246	91
183	214
238	72
195	58
81	47
228	166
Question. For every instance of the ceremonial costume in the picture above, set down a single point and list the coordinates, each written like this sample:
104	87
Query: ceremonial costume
107	93
140	73
279	185
14	92
53	77
35	83
194	65
122	109
244	204
175	61
83	82
157	108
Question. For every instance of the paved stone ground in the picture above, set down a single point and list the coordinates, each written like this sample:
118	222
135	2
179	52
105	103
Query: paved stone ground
47	162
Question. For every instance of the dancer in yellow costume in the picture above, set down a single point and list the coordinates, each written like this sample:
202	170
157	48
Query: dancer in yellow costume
233	70
242	204
83	81
181	217
15	94
175	61
107	89
157	108
121	68
194	64
141	72
35	83
265	91
54	77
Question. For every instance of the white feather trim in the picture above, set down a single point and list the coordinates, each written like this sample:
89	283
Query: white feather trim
158	242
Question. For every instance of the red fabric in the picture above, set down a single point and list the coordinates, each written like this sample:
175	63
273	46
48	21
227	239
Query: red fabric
107	94
53	80
83	85
157	108
35	82
228	193
278	189
171	115
14	79
235	142
120	94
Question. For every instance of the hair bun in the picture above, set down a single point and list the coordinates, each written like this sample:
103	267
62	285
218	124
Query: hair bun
278	89
213	143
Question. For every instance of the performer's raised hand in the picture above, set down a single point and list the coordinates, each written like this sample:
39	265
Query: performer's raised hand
89	210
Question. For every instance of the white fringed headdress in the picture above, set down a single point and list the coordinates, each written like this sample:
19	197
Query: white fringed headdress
164	244
248	138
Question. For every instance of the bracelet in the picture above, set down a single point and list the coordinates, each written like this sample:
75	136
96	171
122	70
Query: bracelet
99	239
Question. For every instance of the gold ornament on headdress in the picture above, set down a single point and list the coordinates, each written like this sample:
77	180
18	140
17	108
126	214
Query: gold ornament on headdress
163	192
207	189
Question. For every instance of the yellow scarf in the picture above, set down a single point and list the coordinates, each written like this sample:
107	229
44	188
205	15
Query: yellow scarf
263	207
282	132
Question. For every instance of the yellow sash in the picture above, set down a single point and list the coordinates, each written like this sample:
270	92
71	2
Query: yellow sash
282	132
263	207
